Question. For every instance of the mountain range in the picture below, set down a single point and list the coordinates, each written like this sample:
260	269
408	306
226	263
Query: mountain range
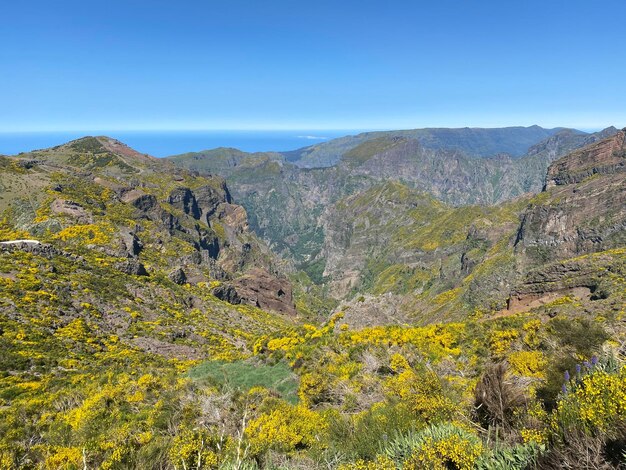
329	307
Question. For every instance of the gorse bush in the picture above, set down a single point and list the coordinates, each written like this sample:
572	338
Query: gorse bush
442	446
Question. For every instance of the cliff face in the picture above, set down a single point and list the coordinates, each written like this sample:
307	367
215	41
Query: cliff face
583	206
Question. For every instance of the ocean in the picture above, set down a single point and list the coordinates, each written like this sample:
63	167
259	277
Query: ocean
165	143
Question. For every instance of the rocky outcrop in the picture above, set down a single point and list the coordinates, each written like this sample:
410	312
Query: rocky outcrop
132	267
184	200
71	209
140	200
130	243
580	278
606	157
227	293
209	198
178	276
583	206
263	290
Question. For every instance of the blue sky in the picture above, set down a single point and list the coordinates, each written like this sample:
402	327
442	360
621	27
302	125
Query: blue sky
234	64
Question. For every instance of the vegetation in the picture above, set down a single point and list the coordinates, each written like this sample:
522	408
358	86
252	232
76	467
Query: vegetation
106	367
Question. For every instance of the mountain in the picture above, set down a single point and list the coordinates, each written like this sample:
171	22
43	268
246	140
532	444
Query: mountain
430	261
287	204
583	206
477	142
143	325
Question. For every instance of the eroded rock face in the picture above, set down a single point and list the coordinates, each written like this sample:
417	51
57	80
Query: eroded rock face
71	209
234	216
583	207
185	200
209	198
140	200
260	289
130	243
227	293
606	157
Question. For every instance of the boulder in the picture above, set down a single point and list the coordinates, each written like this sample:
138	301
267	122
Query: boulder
178	276
227	293
132	267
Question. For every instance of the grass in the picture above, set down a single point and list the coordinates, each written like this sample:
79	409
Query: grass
243	375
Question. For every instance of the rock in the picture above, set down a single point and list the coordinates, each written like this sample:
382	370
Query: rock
131	243
140	200
583	206
28	164
184	199
604	157
227	293
234	216
132	267
32	246
168	350
209	199
259	288
467	264
71	209
209	265
178	276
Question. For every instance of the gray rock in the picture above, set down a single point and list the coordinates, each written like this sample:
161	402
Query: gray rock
178	276
132	267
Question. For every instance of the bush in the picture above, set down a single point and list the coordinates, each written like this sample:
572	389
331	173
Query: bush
497	397
443	446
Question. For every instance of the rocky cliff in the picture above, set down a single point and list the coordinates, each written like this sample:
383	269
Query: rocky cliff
583	206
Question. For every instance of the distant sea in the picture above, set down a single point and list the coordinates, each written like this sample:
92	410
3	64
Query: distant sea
165	143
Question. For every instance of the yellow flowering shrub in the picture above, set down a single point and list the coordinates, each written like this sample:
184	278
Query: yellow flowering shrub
530	435
531	330
381	462
444	447
93	234
286	428
422	393
76	330
528	363
398	362
314	388
7	232
194	449
597	402
501	340
64	458
284	344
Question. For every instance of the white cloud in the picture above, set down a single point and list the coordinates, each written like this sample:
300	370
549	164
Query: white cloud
311	137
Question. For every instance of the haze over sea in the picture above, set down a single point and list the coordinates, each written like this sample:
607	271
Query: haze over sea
165	143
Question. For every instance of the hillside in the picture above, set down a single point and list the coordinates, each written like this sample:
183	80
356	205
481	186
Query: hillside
143	325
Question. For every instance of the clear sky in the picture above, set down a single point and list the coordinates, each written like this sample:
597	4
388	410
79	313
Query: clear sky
266	64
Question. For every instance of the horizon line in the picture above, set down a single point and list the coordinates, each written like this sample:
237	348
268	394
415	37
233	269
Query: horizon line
99	131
